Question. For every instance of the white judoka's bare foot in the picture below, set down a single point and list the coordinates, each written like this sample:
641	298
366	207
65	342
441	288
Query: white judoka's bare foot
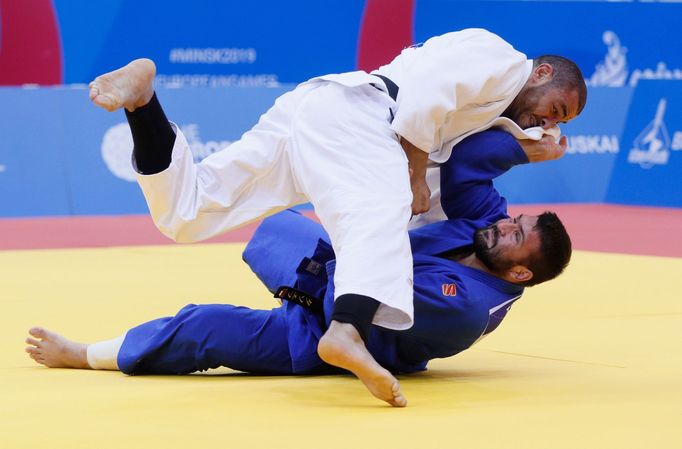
55	351
342	346
129	87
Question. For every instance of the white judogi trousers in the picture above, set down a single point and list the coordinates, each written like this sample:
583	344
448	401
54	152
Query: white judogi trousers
325	143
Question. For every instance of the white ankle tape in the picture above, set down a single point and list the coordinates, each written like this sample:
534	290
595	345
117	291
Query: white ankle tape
104	354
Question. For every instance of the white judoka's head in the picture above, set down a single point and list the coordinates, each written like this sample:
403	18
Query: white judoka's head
525	250
554	93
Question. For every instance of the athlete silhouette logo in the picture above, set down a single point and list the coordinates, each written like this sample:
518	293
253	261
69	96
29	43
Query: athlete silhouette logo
651	147
613	70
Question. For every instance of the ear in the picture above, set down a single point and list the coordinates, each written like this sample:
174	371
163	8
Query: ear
542	73
518	274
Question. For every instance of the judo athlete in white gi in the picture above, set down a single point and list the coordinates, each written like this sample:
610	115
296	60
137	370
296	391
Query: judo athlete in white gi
343	142
468	270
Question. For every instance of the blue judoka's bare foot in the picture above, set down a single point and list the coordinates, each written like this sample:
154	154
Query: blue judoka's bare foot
55	351
129	87
342	346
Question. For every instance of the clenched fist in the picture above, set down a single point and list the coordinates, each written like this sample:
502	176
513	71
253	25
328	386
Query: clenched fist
421	195
545	149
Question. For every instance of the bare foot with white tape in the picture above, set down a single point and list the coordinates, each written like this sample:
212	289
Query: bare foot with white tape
342	346
129	87
55	351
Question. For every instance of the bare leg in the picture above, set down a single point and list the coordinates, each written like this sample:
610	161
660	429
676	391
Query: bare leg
55	351
129	87
342	346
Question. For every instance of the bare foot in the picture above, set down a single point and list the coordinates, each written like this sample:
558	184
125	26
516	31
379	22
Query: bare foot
129	87
55	351
342	346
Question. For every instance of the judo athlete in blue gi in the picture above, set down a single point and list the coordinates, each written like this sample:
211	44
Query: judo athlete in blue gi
468	271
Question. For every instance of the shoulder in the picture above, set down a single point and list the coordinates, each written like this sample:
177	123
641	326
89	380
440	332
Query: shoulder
490	136
485	145
473	36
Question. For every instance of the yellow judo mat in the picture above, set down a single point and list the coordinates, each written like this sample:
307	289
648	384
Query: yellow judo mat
591	360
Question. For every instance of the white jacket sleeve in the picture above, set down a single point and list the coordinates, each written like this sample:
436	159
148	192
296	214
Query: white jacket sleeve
171	194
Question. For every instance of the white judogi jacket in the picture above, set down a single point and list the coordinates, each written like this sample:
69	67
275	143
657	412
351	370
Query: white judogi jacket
450	87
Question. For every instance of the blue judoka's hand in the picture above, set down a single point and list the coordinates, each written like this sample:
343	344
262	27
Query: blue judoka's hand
545	149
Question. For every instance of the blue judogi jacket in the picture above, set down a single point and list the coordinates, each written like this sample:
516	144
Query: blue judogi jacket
454	305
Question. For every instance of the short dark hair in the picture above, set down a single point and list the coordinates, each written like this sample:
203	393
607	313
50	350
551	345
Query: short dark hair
555	249
567	75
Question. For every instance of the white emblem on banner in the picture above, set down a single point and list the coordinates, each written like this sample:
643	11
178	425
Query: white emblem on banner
200	149
651	147
677	141
117	151
613	70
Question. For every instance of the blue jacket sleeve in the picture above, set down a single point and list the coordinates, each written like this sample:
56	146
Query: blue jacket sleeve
467	189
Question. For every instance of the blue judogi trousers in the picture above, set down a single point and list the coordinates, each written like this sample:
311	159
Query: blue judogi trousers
278	341
201	337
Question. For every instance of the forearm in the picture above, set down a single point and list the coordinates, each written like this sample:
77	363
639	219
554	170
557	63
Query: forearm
417	158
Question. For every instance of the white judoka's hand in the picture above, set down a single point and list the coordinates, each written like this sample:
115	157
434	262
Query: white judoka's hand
421	195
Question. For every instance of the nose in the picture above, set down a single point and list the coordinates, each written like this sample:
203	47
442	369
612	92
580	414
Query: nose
505	227
547	123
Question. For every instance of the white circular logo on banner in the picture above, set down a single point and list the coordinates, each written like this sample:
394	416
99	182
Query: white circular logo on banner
117	151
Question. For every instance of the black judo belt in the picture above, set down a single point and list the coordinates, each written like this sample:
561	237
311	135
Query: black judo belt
299	297
390	86
392	90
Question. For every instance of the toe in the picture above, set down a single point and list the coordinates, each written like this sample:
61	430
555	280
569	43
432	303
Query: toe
43	334
399	401
33	342
105	101
398	398
38	332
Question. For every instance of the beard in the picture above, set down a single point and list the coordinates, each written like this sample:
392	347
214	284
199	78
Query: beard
520	111
485	248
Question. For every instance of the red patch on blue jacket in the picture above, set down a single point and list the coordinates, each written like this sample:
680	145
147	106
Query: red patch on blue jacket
449	289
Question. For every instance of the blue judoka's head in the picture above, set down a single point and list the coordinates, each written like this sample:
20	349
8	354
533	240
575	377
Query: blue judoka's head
525	250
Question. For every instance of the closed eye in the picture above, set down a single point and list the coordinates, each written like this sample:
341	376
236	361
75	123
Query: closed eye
521	233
